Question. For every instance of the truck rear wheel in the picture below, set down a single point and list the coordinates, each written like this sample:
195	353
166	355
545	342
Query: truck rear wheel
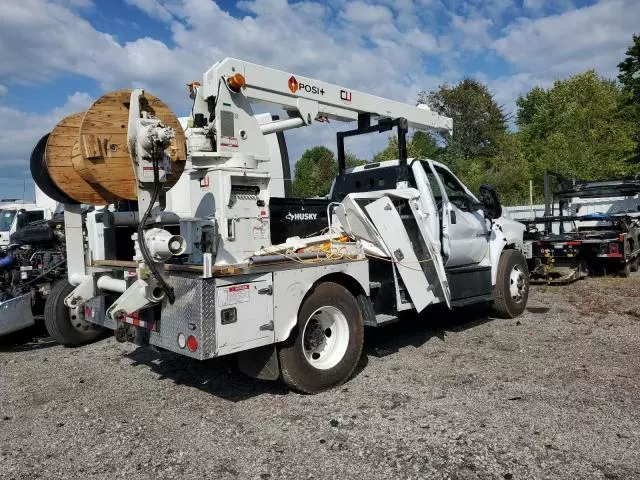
66	326
511	290
324	348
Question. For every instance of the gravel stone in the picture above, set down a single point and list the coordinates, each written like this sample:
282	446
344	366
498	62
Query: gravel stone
441	396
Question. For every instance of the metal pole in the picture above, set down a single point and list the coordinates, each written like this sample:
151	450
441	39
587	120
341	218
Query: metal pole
531	198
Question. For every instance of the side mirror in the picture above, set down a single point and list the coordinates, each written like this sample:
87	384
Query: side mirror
475	206
491	202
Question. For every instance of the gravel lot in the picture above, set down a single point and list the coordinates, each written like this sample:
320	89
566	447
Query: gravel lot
553	394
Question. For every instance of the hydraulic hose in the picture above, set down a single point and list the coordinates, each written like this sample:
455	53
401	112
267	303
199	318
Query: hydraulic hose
7	261
168	290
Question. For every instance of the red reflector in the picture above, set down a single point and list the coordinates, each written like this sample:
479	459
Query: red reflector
613	248
192	343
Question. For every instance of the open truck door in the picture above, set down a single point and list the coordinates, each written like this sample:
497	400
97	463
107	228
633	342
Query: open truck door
384	227
464	225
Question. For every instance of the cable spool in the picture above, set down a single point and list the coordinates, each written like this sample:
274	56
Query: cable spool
59	153
40	173
85	159
102	158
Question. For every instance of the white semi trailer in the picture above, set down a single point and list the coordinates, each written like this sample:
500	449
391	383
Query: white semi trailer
205	280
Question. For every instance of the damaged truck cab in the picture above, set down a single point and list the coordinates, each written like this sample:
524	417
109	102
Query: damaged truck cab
462	237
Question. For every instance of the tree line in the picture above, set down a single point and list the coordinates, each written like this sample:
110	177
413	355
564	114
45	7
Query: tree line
584	126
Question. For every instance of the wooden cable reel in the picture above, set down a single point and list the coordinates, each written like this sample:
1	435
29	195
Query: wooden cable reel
87	156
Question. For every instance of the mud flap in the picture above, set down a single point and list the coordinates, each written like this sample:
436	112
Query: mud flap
261	363
15	314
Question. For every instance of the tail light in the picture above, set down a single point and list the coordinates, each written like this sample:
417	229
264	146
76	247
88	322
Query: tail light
192	343
614	248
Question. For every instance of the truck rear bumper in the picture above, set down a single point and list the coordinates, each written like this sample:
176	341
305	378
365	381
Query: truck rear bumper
15	314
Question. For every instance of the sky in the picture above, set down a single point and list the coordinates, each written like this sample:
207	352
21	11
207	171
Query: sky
57	56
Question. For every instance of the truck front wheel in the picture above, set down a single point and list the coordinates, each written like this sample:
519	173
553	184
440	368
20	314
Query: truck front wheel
325	346
66	326
511	290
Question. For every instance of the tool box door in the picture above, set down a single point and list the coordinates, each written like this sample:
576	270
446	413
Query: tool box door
386	219
244	316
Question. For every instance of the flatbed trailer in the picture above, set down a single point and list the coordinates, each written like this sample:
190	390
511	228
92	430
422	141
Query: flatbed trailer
595	243
563	258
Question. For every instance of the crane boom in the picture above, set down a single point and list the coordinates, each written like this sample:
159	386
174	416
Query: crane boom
308	96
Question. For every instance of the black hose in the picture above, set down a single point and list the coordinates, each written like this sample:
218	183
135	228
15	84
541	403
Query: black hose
45	273
168	289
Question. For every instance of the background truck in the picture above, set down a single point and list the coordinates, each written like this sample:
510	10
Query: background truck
193	269
16	214
596	229
32	257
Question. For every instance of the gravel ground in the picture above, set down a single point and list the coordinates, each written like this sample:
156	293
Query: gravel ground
553	394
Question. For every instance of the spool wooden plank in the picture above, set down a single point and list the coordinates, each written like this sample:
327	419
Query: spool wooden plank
58	158
102	158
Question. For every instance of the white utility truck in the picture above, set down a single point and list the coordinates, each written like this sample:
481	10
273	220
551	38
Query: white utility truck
206	280
15	214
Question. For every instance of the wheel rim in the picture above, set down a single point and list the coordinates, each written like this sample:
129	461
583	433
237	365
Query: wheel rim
78	321
517	283
325	337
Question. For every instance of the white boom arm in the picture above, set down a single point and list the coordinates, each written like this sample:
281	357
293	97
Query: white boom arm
309	96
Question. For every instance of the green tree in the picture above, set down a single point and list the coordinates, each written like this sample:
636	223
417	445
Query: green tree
629	78
420	145
316	169
314	172
508	171
575	128
350	160
478	121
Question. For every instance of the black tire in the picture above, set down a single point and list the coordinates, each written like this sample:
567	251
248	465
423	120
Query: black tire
625	270
295	369
62	327
504	304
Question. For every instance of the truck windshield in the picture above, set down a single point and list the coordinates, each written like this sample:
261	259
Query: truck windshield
6	219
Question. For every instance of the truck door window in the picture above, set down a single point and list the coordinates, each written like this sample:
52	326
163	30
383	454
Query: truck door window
6	220
456	193
34	216
433	184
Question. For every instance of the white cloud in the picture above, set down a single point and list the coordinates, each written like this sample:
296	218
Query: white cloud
472	33
19	132
541	6
381	48
577	40
423	41
358	12
83	4
153	8
534	5
3	90
55	41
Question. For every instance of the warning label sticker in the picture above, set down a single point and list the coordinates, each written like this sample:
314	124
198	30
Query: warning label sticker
233	295
229	142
